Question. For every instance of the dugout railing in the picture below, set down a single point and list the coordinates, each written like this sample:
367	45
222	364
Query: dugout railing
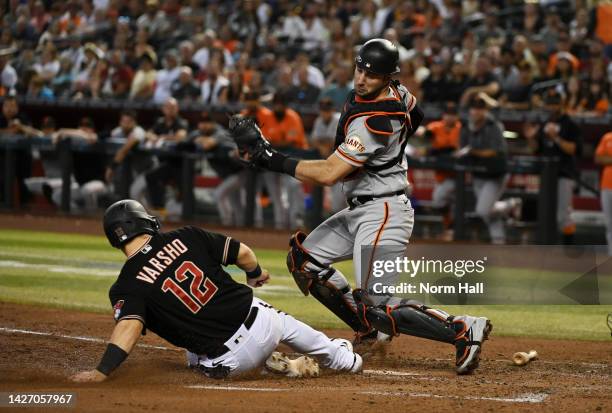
544	167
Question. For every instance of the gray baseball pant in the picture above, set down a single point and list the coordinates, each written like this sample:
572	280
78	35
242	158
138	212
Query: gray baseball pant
384	222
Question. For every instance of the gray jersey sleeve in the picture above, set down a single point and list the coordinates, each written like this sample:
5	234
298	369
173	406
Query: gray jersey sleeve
360	144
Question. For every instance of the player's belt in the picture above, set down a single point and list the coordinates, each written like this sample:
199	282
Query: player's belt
362	199
248	323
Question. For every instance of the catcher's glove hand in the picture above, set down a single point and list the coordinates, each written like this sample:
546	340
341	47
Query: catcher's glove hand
253	148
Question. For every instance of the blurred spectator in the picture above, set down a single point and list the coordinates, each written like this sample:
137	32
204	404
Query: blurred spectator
303	93
340	87
87	187
168	128
507	73
50	161
131	135
211	138
214	88
40	17
243	21
8	75
154	20
518	96
49	65
62	82
192	16
560	137
119	77
553	25
485	149
482	81
186	50
315	35
563	47
12	122
435	86
143	84
603	25
444	135
235	87
322	138
142	45
573	95
84	70
520	46
283	127
315	76
595	101
490	31
185	89
205	48
457	79
532	18
391	35
38	90
603	157
166	76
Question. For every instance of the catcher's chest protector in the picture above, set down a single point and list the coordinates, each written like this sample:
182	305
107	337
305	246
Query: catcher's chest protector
379	115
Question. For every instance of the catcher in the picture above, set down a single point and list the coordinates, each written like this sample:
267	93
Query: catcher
174	284
378	117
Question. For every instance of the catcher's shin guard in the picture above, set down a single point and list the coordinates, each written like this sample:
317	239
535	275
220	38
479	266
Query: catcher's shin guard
409	317
327	285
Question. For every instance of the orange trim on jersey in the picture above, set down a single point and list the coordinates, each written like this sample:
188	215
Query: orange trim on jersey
358	115
380	231
350	157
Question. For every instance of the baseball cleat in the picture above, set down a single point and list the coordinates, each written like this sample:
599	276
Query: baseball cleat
374	342
469	342
302	366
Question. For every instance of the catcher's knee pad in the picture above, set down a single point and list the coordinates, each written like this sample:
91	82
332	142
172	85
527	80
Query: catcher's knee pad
414	319
326	285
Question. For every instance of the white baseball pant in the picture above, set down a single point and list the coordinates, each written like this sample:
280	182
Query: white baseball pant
250	348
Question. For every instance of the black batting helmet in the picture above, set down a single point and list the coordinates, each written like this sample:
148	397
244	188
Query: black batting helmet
378	56
126	219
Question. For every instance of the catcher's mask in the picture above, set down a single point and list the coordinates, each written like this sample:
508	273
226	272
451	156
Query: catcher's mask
126	219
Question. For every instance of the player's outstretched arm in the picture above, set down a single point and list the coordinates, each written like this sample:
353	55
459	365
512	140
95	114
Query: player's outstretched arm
323	172
122	341
247	261
256	151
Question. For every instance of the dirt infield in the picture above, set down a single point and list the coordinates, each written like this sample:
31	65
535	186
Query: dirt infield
415	375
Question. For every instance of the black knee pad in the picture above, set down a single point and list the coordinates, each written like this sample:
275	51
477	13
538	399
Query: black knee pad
317	284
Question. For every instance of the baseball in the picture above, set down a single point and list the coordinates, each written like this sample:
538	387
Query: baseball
522	358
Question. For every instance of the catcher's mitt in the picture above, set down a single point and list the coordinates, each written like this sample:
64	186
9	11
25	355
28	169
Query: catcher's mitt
253	148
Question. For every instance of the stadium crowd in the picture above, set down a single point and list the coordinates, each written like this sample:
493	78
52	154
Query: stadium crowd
270	55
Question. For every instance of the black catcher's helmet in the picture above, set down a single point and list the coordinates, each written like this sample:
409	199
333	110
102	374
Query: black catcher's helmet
378	56
126	219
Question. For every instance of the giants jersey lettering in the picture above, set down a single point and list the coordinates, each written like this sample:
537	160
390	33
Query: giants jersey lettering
177	287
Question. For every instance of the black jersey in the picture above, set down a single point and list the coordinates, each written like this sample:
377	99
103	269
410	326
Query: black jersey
177	287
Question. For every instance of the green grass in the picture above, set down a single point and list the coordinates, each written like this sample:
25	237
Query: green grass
76	271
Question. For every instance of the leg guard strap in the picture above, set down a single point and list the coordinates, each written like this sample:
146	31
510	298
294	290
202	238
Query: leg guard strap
411	319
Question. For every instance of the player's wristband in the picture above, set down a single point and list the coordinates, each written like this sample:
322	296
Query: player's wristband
112	358
255	273
280	162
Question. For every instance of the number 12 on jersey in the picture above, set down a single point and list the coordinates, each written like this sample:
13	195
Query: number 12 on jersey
197	297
